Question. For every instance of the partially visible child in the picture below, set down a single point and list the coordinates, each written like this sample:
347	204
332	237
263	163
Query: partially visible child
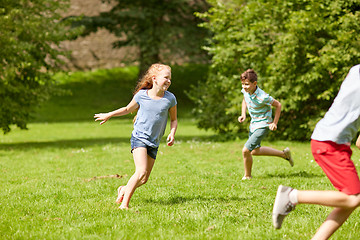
259	105
330	146
154	103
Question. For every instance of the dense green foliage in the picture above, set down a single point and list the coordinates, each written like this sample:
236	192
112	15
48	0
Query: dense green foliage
30	32
301	50
162	30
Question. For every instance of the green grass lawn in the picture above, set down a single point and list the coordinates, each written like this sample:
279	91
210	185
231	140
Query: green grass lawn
49	189
59	178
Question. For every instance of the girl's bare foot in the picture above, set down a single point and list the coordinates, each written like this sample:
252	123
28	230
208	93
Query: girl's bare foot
120	195
123	207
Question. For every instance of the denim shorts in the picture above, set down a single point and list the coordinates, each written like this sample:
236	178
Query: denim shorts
255	138
135	143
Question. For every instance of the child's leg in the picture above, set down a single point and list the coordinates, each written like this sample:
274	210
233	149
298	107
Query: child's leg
143	167
328	198
268	151
252	143
335	160
287	198
248	161
335	219
344	205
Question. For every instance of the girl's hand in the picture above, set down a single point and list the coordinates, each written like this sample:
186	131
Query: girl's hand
170	140
272	126
241	118
103	117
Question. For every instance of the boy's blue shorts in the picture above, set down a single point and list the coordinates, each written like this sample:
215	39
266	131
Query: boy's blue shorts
255	138
135	143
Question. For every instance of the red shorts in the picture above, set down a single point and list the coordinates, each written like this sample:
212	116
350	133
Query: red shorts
335	161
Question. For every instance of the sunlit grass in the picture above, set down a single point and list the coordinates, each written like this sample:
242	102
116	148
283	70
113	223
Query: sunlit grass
49	189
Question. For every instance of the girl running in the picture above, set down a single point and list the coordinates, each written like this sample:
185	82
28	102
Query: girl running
153	103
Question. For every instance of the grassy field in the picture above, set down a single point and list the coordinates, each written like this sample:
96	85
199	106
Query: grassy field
59	180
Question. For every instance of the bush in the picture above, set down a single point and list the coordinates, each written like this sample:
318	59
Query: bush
301	50
30	34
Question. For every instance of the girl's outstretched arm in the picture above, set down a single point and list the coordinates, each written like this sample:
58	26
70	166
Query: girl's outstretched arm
358	142
173	125
103	117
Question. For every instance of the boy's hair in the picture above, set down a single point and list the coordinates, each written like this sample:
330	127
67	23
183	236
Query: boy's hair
146	81
250	75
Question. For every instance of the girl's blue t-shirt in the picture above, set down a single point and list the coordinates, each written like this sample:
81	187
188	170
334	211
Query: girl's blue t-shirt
150	123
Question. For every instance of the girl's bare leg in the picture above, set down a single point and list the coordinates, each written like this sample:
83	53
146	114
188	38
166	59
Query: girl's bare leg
143	167
121	191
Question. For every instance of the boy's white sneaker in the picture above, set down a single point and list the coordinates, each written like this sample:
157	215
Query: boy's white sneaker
246	178
282	206
288	156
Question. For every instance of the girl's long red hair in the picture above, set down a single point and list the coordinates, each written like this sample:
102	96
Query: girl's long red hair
146	82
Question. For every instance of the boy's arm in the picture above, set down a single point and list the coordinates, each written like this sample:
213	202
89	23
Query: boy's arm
103	117
277	105
173	125
243	112
358	142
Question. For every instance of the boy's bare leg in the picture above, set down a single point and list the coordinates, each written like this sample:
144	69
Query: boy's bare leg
248	161
344	205
267	151
328	198
335	219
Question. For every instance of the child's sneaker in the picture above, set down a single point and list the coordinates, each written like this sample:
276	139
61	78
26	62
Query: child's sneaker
288	156
282	206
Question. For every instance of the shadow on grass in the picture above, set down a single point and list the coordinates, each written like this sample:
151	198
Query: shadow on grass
302	174
181	199
83	143
71	143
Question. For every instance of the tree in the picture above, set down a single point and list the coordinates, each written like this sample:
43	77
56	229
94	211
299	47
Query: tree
301	50
160	29
30	32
